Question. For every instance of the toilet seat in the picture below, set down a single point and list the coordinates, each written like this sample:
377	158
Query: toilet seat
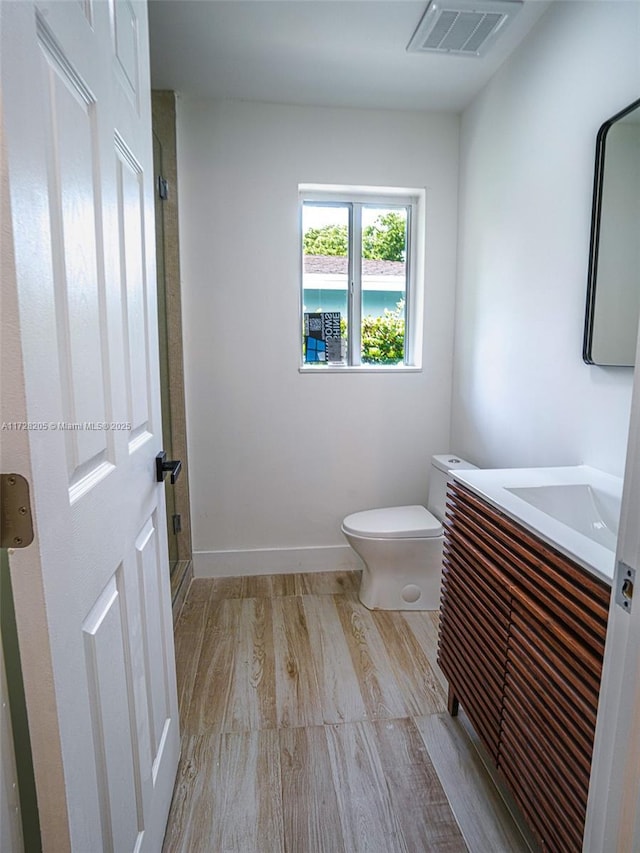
396	522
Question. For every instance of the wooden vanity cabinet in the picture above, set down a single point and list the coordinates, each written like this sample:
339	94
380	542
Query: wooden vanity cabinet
521	643
474	632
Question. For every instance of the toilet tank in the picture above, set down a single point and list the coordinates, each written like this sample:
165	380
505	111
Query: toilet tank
442	466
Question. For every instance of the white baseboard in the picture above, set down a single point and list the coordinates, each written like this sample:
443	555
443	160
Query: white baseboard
274	561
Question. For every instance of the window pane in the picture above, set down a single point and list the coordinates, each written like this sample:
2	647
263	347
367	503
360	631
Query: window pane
384	284
325	282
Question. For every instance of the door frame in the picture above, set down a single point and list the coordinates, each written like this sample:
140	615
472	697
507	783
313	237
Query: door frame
163	109
613	809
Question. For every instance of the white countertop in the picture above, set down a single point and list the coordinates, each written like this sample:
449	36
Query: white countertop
493	484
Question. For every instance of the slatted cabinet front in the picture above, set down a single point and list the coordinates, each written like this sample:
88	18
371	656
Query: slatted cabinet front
521	643
474	629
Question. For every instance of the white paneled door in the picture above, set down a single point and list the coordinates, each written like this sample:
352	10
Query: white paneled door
81	420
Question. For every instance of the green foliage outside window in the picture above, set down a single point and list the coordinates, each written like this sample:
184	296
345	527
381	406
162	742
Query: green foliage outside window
329	240
385	239
382	241
383	337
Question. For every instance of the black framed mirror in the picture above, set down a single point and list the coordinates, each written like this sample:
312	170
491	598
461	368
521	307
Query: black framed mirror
613	287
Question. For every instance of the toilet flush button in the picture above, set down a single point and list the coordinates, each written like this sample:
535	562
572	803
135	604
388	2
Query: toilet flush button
411	593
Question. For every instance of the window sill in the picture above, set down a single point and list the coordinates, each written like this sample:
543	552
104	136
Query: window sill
360	368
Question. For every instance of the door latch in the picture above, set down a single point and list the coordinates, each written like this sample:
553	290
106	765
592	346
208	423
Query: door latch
166	466
626	578
16	523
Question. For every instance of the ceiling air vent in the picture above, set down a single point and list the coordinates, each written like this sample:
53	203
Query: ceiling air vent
461	27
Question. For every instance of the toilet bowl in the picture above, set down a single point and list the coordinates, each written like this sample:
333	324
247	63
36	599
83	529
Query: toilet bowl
401	546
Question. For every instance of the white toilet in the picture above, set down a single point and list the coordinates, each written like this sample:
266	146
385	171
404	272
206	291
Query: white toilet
401	546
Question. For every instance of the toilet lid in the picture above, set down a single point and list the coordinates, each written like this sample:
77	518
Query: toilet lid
396	522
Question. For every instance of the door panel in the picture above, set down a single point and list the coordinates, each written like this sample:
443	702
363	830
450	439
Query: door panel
92	592
111	713
74	199
134	295
127	47
151	580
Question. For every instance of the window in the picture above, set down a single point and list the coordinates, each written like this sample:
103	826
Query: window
360	299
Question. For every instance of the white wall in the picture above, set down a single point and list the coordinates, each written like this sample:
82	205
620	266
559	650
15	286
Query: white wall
522	394
276	458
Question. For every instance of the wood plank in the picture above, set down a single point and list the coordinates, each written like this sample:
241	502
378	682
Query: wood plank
365	810
285	584
194	612
200	590
194	798
315	583
252	807
227	795
258	586
247	586
235	682
481	813
419	801
309	801
338	686
419	686
374	670
252	696
332	583
297	694
188	639
207	708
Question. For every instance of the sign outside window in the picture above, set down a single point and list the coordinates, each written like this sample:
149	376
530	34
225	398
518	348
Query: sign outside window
322	339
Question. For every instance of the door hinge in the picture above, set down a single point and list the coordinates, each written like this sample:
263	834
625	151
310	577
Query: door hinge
16	523
177	523
163	188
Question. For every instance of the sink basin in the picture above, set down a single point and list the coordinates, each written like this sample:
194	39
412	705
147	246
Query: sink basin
574	508
584	508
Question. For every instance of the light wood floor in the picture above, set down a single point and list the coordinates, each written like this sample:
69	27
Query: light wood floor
312	725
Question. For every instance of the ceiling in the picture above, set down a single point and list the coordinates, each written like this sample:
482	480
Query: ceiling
339	53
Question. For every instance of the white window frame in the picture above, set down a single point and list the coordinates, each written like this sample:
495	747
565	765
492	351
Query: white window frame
354	198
